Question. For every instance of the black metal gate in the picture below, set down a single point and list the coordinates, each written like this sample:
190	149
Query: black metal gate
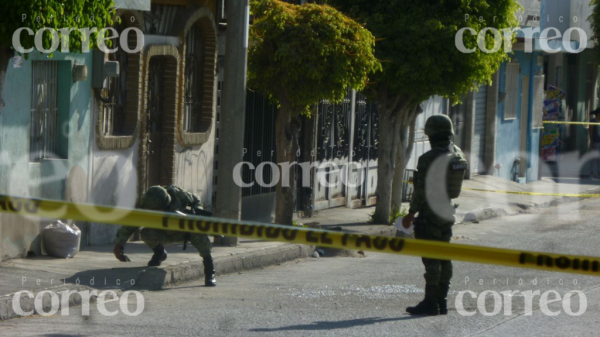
333	146
334	130
259	143
366	138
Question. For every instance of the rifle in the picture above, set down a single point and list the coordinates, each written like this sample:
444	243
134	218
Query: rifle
187	236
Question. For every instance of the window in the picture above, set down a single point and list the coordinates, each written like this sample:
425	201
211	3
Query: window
194	121
512	90
45	134
198	90
115	120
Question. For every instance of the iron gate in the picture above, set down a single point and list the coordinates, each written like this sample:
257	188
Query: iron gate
333	146
44	110
366	139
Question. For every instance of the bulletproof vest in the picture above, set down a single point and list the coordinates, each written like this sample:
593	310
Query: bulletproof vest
457	165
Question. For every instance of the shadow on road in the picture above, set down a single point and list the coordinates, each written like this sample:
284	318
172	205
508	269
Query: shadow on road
328	325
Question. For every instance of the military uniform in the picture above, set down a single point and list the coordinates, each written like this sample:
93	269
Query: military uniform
169	199
180	201
431	200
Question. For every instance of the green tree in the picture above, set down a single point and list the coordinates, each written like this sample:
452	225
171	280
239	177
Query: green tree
57	14
416	43
297	56
595	23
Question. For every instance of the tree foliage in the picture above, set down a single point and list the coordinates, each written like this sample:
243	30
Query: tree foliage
56	14
297	56
420	58
300	54
416	42
595	23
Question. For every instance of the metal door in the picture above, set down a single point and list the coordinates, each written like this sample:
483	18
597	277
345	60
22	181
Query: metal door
154	121
365	149
333	139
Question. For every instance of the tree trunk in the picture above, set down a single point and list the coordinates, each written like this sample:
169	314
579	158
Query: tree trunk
386	163
307	155
5	56
404	151
287	129
394	113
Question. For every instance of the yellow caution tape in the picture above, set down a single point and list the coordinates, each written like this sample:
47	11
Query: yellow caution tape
537	193
570	123
206	225
531	193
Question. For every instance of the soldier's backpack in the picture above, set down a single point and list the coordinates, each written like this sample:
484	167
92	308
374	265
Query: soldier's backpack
457	166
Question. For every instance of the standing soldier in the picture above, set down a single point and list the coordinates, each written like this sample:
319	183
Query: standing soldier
169	199
440	174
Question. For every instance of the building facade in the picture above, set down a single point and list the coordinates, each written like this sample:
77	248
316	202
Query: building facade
106	138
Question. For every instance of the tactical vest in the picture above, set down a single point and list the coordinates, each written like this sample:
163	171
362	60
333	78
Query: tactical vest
455	173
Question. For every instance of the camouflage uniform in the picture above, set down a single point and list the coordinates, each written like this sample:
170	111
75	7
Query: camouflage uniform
436	211
180	201
434	221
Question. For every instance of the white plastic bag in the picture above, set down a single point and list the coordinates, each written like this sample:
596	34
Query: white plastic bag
407	231
61	240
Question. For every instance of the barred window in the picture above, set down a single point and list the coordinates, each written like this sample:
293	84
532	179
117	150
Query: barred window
114	94
119	102
194	120
44	110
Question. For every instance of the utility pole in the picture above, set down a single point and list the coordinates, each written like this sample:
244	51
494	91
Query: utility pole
233	109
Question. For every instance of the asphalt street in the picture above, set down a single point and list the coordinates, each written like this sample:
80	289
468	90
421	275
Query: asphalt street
343	296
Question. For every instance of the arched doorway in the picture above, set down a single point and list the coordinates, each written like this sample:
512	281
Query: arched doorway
159	117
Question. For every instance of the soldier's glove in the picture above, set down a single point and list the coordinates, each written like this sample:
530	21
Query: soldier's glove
119	252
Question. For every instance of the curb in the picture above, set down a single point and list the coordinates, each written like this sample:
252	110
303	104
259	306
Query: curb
158	278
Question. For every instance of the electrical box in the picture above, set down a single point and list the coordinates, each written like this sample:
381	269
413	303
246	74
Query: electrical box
103	68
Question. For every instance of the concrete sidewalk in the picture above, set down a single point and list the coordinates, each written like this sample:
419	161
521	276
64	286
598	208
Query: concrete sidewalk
96	267
476	205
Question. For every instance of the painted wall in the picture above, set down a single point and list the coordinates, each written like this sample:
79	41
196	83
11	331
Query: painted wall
194	168
53	179
114	183
555	11
436	105
509	130
115	178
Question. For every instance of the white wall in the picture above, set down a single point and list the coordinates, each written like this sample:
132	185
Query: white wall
436	105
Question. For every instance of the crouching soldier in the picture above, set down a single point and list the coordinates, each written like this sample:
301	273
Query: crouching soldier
169	199
440	175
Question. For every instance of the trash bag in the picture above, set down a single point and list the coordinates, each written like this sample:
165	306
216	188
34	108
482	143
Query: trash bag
61	240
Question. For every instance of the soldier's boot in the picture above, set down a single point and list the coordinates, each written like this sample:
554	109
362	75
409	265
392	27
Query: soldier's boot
428	306
209	271
160	254
442	301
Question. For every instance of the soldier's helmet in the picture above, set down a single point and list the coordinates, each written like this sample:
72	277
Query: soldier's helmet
156	198
439	125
